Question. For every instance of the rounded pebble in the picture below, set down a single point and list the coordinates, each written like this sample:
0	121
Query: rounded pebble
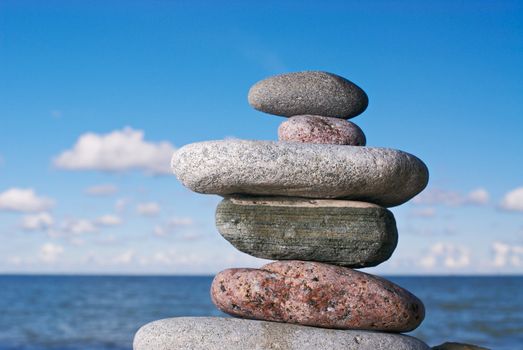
311	92
317	129
316	294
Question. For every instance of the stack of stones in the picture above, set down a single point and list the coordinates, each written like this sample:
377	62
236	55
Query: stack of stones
315	201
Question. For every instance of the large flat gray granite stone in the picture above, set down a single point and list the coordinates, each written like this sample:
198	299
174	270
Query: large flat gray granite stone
213	333
383	176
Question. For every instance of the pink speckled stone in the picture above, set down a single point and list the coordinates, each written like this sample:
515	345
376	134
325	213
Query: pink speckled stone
316	294
317	129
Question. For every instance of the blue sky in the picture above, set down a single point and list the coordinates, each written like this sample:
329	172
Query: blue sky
83	81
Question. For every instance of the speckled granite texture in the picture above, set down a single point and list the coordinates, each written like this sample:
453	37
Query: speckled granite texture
324	130
315	294
312	92
213	333
346	233
382	176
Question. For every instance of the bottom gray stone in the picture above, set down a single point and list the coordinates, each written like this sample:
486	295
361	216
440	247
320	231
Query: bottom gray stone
216	333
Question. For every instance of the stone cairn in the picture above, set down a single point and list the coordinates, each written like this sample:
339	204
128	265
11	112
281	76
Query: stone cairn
315	201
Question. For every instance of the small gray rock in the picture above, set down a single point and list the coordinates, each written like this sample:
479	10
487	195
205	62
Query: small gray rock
382	176
312	92
214	333
338	232
317	129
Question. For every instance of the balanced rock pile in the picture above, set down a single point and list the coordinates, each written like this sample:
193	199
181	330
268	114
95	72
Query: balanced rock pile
315	201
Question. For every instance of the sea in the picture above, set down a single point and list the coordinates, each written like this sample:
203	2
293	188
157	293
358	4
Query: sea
104	312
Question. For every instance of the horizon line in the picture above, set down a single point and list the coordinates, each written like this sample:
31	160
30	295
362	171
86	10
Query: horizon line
90	274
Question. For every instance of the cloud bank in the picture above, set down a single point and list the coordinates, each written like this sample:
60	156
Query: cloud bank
117	151
101	190
24	200
40	221
445	254
148	209
436	196
513	200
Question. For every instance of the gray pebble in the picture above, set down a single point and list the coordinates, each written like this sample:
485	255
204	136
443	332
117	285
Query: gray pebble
317	129
311	92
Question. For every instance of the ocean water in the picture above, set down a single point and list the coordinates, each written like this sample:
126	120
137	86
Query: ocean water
103	313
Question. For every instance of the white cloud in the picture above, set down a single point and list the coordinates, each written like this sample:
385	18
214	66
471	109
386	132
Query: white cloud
168	260
121	204
161	258
428	261
174	224
40	221
507	254
177	222
124	258
159	230
71	228
148	209
78	227
24	200
424	212
109	220
435	196
101	190
176	258
50	252
106	240
513	200
479	196
77	241
14	260
447	255
119	150
432	230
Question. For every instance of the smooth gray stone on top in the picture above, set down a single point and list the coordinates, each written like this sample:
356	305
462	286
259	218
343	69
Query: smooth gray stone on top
214	333
382	176
337	232
311	92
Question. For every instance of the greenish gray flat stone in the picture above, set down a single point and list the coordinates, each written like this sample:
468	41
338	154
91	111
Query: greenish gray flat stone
213	333
383	176
338	232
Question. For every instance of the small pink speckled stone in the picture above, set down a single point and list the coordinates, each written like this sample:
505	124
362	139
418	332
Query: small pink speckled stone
316	294
317	129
